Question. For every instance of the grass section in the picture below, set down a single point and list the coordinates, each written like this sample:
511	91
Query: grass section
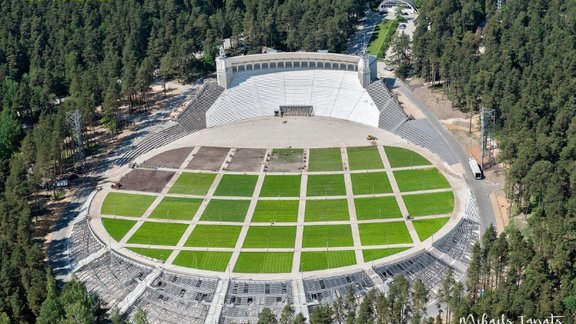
117	228
381	38
176	208
158	234
424	179
276	211
193	183
215	261
264	262
123	204
377	208
236	185
270	237
370	255
281	186
310	261
325	159
400	157
288	155
384	233
326	210
326	185
370	183
429	204
364	158
226	210
158	254
327	236
427	227
214	236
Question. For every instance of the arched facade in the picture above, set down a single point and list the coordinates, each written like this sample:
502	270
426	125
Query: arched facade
392	3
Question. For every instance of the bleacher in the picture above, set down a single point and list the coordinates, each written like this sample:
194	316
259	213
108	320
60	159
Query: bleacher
112	277
81	243
422	266
245	299
328	289
175	298
193	117
459	242
392	115
420	132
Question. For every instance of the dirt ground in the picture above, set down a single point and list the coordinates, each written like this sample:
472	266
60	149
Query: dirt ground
145	180
170	159
208	158
282	162
247	160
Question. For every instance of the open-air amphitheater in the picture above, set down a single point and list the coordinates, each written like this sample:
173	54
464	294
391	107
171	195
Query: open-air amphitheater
277	100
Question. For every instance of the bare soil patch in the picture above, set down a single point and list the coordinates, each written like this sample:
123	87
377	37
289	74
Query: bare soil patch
145	180
208	158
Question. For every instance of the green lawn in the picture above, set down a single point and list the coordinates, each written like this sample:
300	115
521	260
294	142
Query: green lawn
288	155
117	228
370	255
158	234
327	236
437	203
281	186
364	158
270	237
310	261
384	233
158	254
263	262
325	159
176	208
381	38
123	204
224	236
370	183
400	157
326	185
424	179
327	210
236	185
427	227
215	261
377	208
276	211
193	183
226	210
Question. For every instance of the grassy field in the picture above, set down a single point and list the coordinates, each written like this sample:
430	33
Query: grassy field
384	233
370	183
214	236
327	236
310	261
270	237
427	227
176	208
288	155
193	183
158	234
276	211
158	254
370	255
325	159
117	228
215	261
381	38
226	210
123	204
429	204
377	208
364	158
236	185
262	262
400	157
281	186
326	210
424	179
326	185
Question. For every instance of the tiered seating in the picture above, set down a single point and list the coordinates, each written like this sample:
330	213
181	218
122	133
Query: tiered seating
420	132
459	242
328	289
391	113
422	266
193	117
112	277
175	298
245	299
82	243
